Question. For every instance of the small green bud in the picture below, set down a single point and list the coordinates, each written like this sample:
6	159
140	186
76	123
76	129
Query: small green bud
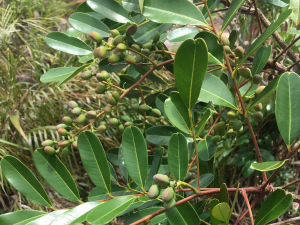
170	204
111	100
116	95
138	59
114	33
72	104
47	143
65	152
80	119
135	107
136	47
113	58
231	115
62	131
156	37
121	47
227	49
100	89
259	90
49	150
146	52
160	45
76	111
128	124
236	126
154	191
245	72
156	113
129	59
75	144
173	184
226	144
121	128
131	30
216	138
86	75
258	107
91	114
168	194
100	52
161	180
102	76
147	46
61	126
63	143
258	116
113	121
67	120
95	37
107	110
219	126
144	108
103	123
117	40
256	79
101	129
151	119
231	132
224	41
239	51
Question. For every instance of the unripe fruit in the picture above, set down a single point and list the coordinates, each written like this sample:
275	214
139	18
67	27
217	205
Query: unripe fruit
136	47
216	138
147	46
121	47
102	76
151	119
231	132
47	143
146	52
239	51
121	128
135	107
80	119
72	104
258	116
116	95
86	75
111	100
107	110
259	90
128	124
100	52
219	126
224	41
95	37
156	113
114	33
61	126
231	115
113	58
160	45
100	89
117	40
101	129
226	144
76	111
256	79
75	144
154	191
227	49
131	30
138	59
65	152
258	107
49	150
167	194
172	183
144	108
156	37
129	59
236	126
62	131
170	204
67	120
63	143
245	72
91	114
103	123
113	122
161	180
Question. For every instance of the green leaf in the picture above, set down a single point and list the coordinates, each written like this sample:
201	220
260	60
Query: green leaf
212	204
181	34
231	13
154	167
177	112
64	43
287	107
183	12
213	89
110	9
234	200
135	155
205	180
267	166
245	88
45	219
20	217
141	4
261	58
224	194
203	122
206	149
232	38
273	207
94	160
212	4
131	5
57	74
56	174
190	68
145	212
122	166
72	32
295	6
87	23
221	212
248	169
199	206
75	215
268	90
265	35
96	194
278	3
113	175
105	212
178	156
86	58
22	179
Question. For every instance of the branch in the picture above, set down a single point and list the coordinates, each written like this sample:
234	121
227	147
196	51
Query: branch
249	207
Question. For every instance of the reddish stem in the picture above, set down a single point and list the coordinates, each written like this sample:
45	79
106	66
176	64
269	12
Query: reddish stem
249	207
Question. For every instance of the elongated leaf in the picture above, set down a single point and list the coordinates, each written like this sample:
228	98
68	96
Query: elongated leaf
22	179
183	12
96	194
267	166
56	174
224	194
110	9
213	89
94	160
87	23
122	166
105	212
203	122
145	212
141	4
154	167
72	32
295	6
261	58
135	155
178	156
205	180
221	212
55	74
287	107
177	112
206	149
64	43
131	5
278	3
15	121
86	58
181	34
46	219
265	35
273	207
190	68
71	216
231	13
212	4
21	217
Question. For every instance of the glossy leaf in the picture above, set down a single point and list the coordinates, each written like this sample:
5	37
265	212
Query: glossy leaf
46	219
273	207
295	6
267	166
231	13
122	166
94	160
261	58
154	167
96	194
14	119
57	74
233	37
181	34
278	3
71	216
110	9
212	204
135	155
205	180
245	88
86	58
145	212
265	35
178	156
64	43
203	122
20	217
131	5
221	212
212	4
141	4
190	68
22	179
105	212
183	12
287	107
206	149
213	89
224	197
87	23
177	112
113	175
56	174
72	32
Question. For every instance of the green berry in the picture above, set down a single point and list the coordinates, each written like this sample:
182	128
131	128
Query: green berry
121	128
216	138
65	152
156	37
111	100
47	143
63	143
121	47
61	126
116	95
227	49
138	59
100	52
219	126
72	104
113	58
245	72
80	119
102	76
129	59
224	41
231	132
101	129
136	47
168	194
173	184
91	114
76	111
100	89
107	110
95	37
231	115
147	46
103	123
258	116
86	75
259	89
154	191
117	40
258	107
74	144
236	126
114	33
151	119
146	52
128	124
131	30
156	113
49	150
170	204
161	180
239	51
62	131
144	108
135	107
256	79
113	121
67	120
226	144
